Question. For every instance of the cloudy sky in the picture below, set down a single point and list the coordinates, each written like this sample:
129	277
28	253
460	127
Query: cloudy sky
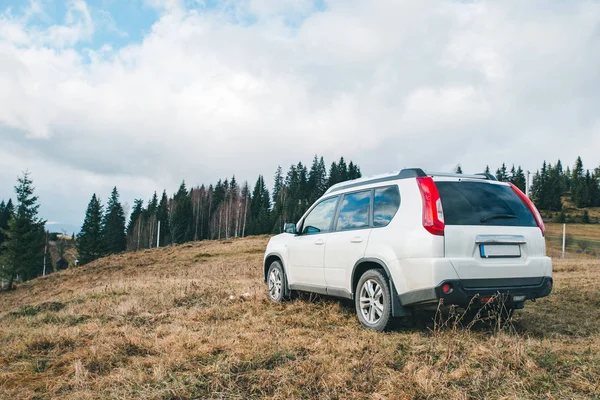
144	93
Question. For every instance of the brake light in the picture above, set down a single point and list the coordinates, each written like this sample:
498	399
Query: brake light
433	213
531	206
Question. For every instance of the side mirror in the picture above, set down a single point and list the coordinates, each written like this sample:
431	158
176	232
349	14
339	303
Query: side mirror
289	227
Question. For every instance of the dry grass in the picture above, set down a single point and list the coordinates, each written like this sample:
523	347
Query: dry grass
587	233
582	231
160	324
570	209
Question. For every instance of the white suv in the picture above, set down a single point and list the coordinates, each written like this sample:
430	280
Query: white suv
410	239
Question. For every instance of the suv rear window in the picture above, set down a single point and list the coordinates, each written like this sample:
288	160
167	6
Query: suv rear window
479	203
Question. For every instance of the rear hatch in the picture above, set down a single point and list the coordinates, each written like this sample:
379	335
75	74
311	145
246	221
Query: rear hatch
490	231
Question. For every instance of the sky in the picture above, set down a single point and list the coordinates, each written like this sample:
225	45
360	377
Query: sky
142	94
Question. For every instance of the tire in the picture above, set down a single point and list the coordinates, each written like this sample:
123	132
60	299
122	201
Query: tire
373	300
276	283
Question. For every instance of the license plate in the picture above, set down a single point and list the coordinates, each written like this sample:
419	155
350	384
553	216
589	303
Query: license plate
499	250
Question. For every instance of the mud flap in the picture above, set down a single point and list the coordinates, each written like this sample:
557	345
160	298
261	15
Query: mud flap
397	309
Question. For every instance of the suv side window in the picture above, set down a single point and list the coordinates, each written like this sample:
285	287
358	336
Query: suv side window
385	205
354	211
320	218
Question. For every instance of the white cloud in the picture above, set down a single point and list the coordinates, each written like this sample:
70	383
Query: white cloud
386	83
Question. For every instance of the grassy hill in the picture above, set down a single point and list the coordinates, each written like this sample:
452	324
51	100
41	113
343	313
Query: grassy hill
194	321
582	240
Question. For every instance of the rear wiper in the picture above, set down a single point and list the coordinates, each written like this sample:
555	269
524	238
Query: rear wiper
498	216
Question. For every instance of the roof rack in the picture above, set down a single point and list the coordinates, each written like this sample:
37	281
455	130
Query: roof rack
481	175
403	174
406	173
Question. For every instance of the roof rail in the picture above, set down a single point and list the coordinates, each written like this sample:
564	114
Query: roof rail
488	176
481	175
404	174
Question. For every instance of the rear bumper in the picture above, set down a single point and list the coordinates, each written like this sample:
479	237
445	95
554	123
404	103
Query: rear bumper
466	292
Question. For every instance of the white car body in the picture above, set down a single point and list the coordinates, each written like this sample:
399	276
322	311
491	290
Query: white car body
416	262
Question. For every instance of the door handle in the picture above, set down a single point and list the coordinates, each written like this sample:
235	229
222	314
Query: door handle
356	239
319	242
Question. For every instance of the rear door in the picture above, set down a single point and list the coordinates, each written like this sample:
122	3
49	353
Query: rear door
490	232
348	242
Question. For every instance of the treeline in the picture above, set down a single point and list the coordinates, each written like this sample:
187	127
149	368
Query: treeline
103	231
227	209
552	182
230	209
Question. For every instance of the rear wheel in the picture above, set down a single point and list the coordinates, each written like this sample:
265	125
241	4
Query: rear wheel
276	282
373	300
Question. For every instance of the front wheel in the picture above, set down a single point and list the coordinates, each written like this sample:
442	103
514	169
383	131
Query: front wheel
276	282
373	300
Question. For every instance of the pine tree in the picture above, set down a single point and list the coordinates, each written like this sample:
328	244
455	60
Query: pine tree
234	208
342	170
89	240
259	208
135	225
322	177
6	213
245	199
555	187
162	215
567	179
278	183
292	185
595	188
313	180
458	169
279	198
353	171
302	193
518	178
547	188
539	187
334	175
501	174
487	169
138	209
182	216
23	249
113	224
152	205
577	178
587	191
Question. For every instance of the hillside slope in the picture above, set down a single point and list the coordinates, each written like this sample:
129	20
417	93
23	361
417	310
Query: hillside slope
161	324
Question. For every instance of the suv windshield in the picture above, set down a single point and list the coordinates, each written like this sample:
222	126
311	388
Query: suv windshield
480	203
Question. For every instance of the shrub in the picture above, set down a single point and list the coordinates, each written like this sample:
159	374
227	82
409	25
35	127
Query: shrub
586	217
583	245
568	240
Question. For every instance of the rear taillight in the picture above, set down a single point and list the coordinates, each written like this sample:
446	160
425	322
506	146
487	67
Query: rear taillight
447	288
531	206
433	213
